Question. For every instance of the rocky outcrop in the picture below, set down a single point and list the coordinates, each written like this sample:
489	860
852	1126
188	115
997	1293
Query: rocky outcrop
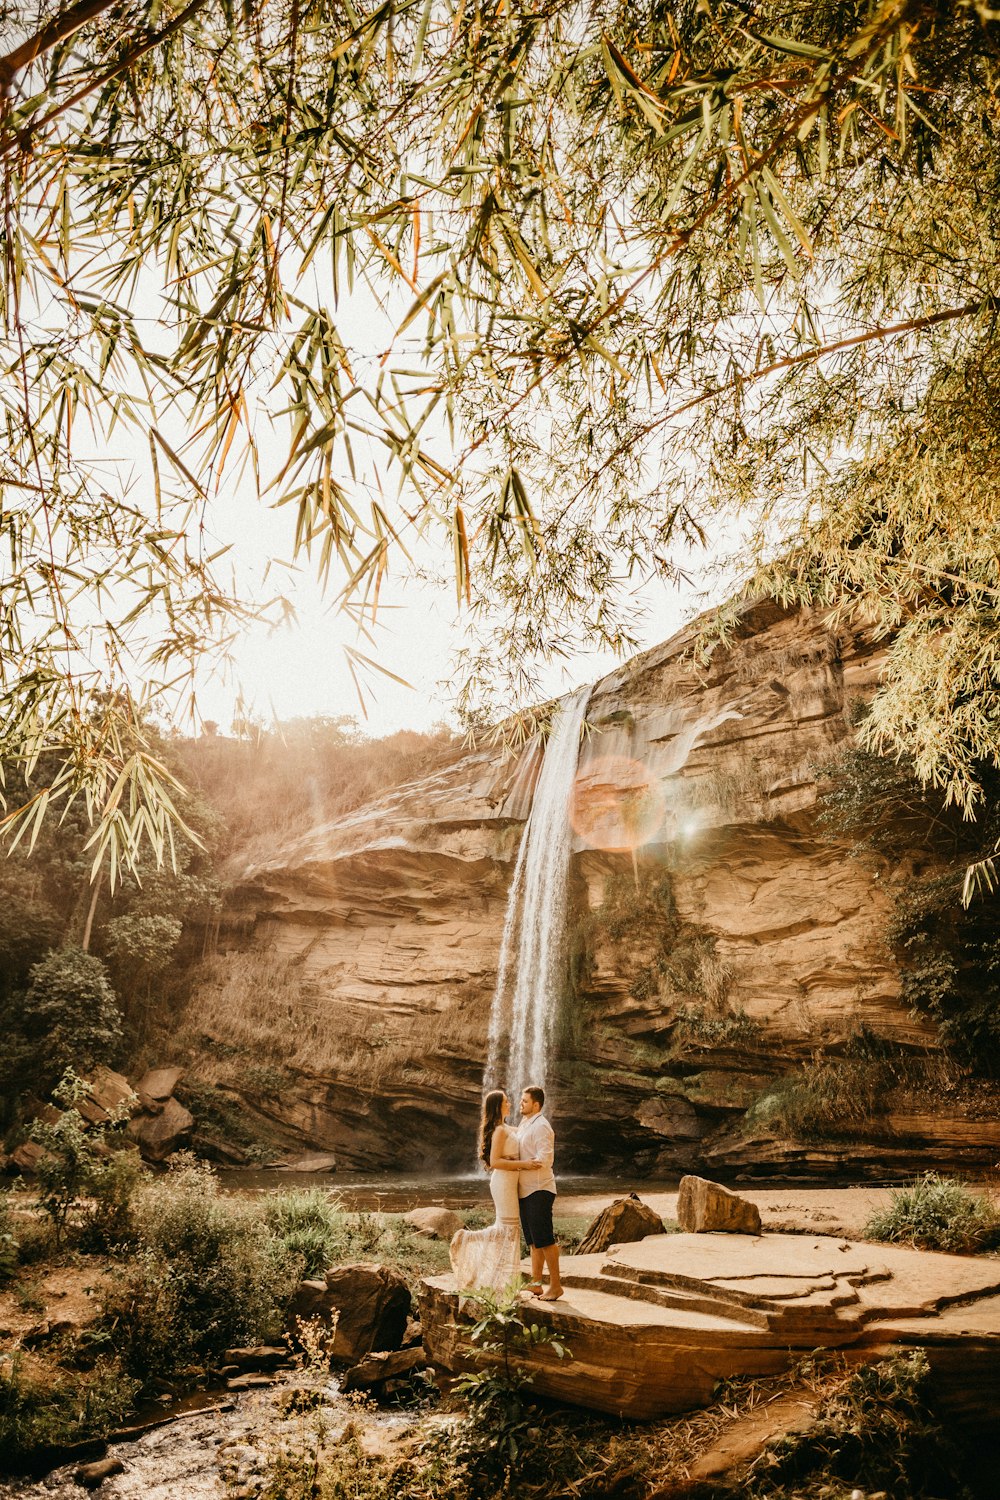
159	1133
718	938
652	1328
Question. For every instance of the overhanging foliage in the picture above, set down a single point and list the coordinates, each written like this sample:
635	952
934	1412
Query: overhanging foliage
642	267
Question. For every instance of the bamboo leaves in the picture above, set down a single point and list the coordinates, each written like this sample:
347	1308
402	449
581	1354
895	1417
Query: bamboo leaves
417	261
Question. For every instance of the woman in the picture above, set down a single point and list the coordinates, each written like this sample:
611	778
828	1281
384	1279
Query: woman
491	1257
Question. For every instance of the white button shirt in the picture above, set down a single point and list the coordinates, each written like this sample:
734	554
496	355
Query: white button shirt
538	1143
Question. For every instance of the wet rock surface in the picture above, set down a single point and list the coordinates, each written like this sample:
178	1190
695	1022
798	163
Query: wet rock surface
213	1454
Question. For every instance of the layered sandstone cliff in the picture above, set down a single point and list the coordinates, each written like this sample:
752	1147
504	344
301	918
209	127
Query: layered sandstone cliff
718	938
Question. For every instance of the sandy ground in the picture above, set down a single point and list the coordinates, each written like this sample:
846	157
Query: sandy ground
822	1210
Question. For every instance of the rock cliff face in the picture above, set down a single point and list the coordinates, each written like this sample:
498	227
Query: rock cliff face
718	939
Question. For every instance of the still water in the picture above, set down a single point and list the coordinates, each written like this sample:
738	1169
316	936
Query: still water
361	1192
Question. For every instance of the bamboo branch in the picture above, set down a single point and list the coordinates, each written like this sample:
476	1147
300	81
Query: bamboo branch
53	32
100	79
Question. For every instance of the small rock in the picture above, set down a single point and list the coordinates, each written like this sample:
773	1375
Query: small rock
248	1382
313	1161
92	1475
412	1333
375	1369
159	1083
434	1223
621	1223
256	1357
704	1207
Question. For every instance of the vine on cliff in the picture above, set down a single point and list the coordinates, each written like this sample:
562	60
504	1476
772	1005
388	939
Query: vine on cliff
949	954
639	915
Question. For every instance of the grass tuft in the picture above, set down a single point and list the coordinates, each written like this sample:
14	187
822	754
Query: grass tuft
938	1213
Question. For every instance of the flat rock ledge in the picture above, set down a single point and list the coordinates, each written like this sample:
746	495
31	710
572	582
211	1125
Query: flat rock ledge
652	1327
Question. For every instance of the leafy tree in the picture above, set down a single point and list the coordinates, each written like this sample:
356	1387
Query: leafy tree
70	1017
636	267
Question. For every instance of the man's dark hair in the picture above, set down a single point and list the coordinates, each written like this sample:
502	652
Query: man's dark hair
536	1093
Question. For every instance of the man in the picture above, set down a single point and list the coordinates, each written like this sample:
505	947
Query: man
536	1191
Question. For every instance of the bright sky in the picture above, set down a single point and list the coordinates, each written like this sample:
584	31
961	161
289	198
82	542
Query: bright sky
299	669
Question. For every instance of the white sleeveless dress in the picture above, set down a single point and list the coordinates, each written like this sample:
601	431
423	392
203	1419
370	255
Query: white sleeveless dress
491	1258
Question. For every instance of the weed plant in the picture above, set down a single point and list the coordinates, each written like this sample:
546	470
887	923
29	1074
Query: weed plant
876	1432
39	1412
843	1098
308	1224
206	1274
938	1213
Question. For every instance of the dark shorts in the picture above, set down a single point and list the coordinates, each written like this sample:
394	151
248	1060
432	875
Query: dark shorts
536	1219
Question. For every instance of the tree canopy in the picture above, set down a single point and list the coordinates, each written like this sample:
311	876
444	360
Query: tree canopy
627	273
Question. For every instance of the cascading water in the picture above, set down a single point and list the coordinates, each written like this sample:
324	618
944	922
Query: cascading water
530	974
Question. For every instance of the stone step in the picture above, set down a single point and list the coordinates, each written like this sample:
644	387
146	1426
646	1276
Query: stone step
798	1324
767	1294
599	1304
677	1297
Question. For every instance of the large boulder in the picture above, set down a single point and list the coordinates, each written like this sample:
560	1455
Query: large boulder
27	1156
704	1207
434	1223
621	1223
313	1161
369	1304
157	1136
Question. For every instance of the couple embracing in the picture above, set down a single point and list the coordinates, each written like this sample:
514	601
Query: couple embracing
523	1189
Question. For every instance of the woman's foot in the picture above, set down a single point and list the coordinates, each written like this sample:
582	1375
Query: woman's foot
552	1295
532	1288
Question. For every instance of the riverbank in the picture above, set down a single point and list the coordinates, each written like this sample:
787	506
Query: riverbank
136	1307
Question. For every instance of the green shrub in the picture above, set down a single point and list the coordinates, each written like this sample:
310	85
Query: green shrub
692	1027
107	1218
74	1406
208	1274
937	1213
71	1016
308	1224
842	1098
878	1433
8	1240
77	1163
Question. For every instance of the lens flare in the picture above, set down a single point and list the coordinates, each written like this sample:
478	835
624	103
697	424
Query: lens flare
616	804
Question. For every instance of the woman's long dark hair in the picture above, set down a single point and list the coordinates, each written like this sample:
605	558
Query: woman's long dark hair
492	1116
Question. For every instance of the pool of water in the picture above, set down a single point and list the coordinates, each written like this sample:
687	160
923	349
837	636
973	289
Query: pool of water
361	1192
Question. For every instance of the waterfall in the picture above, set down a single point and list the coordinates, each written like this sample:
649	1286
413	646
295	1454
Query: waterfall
531	971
